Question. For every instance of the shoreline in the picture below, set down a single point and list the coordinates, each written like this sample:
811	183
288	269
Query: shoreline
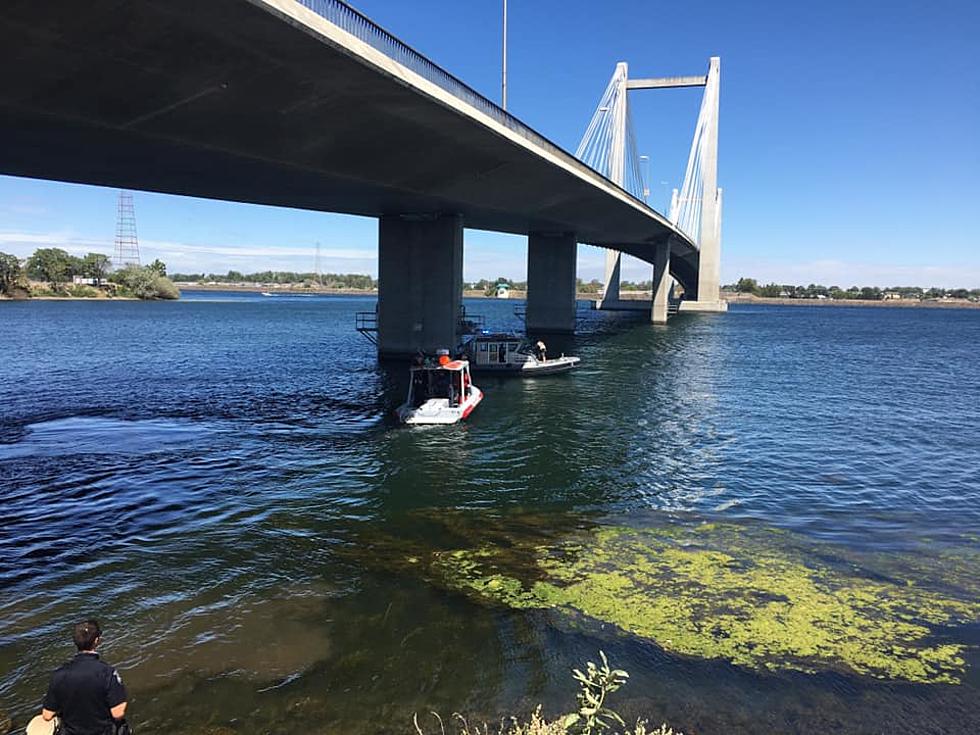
731	298
886	304
75	298
285	290
69	298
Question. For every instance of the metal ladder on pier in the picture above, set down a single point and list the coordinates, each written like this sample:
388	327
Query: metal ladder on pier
366	322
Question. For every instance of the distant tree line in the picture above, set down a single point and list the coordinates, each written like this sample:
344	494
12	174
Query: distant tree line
366	282
586	287
282	278
51	272
867	293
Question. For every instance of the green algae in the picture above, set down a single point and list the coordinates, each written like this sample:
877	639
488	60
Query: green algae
754	597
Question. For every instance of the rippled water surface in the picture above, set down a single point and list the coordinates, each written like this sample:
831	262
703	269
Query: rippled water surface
220	481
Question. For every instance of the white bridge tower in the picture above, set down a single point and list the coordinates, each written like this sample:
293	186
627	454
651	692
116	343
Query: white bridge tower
609	146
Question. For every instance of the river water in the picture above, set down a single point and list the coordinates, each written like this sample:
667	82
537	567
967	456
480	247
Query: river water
220	481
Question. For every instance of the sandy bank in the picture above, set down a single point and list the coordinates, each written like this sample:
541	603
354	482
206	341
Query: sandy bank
890	303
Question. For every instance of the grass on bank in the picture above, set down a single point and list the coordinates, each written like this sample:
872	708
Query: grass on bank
593	716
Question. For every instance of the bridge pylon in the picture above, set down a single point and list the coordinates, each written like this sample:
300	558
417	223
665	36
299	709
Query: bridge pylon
609	146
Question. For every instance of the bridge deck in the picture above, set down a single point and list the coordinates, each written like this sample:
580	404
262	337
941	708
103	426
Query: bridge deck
264	101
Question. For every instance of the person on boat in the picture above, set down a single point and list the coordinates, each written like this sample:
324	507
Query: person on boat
542	351
87	694
442	385
420	387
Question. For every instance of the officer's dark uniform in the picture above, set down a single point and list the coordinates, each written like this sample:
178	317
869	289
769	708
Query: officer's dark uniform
82	692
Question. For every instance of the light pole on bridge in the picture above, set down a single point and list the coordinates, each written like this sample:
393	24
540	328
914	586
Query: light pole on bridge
503	68
645	173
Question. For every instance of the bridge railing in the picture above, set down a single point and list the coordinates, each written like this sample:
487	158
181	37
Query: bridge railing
360	26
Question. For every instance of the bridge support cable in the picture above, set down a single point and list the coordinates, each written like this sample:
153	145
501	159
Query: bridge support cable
609	147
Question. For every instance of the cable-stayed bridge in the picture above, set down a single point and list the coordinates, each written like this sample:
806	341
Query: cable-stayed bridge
311	105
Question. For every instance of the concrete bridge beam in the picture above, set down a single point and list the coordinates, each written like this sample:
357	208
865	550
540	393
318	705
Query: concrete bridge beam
551	282
420	283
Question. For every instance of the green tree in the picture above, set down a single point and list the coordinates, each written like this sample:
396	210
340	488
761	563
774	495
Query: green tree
638	286
747	285
144	283
158	267
164	288
10	272
95	265
590	287
771	290
53	265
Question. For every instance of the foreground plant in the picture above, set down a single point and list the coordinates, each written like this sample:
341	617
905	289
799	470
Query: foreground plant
597	683
592	718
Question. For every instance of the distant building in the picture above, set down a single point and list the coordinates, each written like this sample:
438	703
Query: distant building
891	296
83	281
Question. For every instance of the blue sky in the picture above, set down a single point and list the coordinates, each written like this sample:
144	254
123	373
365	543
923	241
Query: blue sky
849	139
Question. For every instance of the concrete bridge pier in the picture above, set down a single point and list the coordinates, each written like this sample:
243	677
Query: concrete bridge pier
661	283
610	291
420	283
551	282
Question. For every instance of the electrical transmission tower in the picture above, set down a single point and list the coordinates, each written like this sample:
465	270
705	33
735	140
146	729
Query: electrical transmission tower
316	267
127	245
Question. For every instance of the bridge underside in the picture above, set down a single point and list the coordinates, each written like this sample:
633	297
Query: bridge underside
229	100
683	264
261	101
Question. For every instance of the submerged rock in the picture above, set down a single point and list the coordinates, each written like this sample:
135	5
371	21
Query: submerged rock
758	598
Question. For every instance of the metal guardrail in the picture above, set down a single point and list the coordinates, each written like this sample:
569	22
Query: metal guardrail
471	323
367	324
360	26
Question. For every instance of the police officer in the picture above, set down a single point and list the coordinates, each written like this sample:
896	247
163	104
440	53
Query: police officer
86	694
